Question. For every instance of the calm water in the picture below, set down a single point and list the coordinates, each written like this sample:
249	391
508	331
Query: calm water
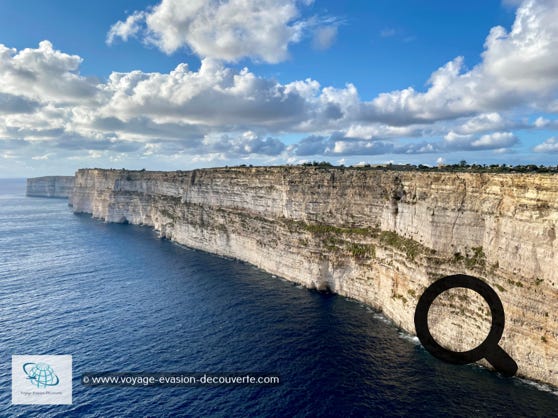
117	298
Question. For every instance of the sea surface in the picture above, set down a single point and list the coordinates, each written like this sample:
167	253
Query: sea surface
118	298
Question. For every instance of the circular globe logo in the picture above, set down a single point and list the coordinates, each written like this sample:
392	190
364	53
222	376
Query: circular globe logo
40	374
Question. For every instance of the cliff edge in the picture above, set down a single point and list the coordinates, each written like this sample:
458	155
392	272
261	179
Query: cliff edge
380	237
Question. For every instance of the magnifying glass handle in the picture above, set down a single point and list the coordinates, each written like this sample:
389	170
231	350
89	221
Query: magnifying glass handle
502	361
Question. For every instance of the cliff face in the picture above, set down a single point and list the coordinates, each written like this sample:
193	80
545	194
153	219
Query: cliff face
50	186
378	237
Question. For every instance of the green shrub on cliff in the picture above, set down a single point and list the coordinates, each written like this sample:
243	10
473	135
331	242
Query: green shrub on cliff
476	259
321	228
362	250
333	237
409	246
330	229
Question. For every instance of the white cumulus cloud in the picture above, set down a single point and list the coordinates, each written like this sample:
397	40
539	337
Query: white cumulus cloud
228	30
495	140
43	74
518	68
550	145
127	28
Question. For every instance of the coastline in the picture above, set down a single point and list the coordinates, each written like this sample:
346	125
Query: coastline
378	237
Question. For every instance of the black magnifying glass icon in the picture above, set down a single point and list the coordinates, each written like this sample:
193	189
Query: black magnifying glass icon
489	348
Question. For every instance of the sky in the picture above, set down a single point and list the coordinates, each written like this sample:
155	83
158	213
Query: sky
183	84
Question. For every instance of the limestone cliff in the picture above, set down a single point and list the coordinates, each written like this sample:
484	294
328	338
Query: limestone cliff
380	237
50	186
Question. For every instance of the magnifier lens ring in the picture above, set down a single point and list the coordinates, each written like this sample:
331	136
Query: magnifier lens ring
459	281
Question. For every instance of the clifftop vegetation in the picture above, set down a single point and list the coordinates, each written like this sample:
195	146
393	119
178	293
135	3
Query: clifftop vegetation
462	166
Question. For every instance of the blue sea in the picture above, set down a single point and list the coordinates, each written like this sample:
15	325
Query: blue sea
119	299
